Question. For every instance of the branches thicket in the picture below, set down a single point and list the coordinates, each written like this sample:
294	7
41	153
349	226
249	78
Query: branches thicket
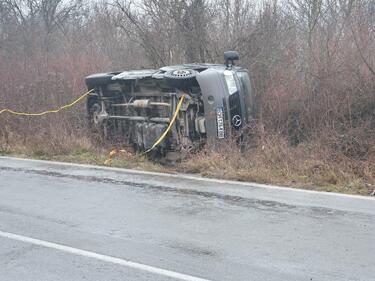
312	61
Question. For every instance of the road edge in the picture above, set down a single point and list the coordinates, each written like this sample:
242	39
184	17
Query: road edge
192	177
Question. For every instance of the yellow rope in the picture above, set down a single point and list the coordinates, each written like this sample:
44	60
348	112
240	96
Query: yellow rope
48	111
169	127
113	153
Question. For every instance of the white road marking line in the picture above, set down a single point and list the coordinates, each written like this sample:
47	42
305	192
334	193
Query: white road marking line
193	177
105	258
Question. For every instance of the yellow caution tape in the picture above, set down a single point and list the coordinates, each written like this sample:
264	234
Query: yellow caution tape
113	153
48	111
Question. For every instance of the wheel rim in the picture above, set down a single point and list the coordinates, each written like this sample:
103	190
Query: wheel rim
95	111
182	73
95	117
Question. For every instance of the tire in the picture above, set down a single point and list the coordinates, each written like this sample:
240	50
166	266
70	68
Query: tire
103	131
95	126
180	78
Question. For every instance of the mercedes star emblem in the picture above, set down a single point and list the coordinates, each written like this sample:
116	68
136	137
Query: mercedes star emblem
236	120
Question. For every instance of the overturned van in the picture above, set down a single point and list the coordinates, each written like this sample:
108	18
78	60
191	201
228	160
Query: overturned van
135	107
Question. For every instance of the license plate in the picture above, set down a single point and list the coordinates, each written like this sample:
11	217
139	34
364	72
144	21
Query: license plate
220	123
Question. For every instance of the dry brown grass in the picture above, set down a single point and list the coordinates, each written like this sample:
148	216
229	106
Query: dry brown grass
76	148
268	159
308	165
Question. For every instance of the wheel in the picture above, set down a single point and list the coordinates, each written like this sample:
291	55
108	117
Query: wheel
103	129
95	125
180	78
180	74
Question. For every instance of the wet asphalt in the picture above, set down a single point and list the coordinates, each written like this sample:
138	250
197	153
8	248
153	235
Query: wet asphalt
215	230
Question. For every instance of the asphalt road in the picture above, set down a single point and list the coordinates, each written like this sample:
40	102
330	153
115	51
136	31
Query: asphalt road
72	222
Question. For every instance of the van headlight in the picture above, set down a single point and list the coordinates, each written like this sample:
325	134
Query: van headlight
230	81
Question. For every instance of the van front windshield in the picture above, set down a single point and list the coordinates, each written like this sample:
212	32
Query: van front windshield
248	93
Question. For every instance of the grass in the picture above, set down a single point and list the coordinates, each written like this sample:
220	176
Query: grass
93	156
277	163
271	162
